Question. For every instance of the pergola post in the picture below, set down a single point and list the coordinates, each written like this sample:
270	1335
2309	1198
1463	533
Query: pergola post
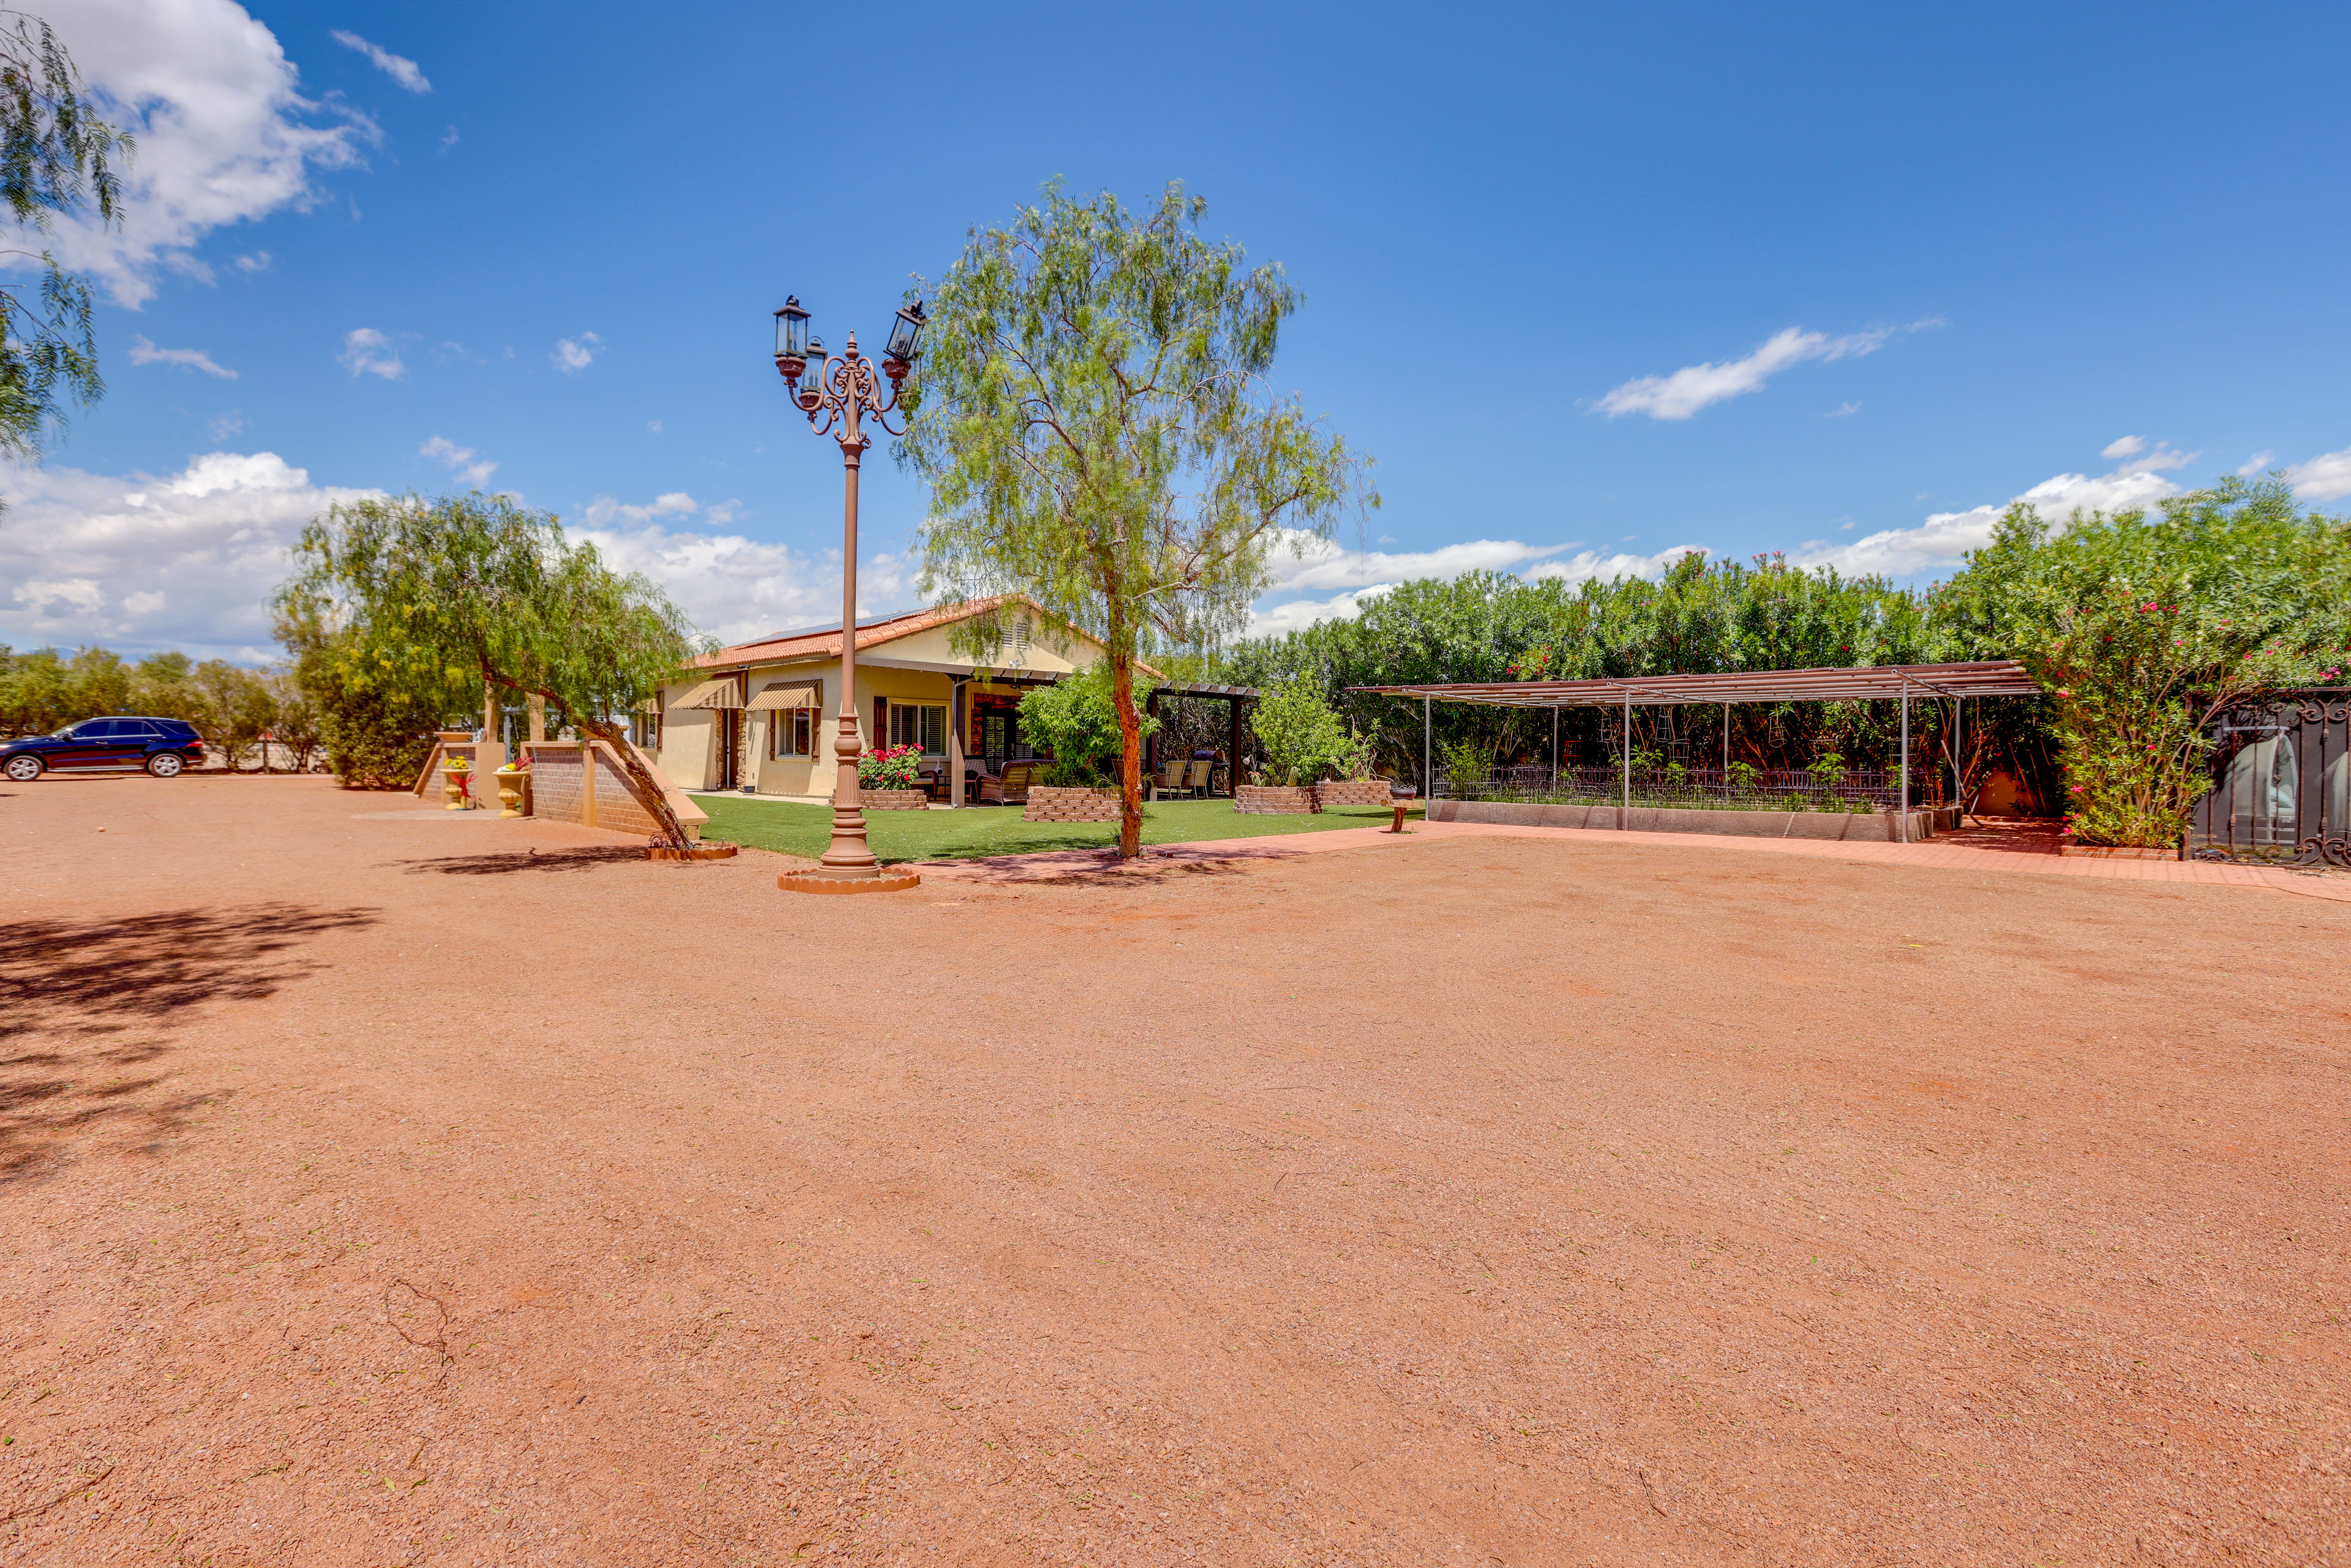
1428	768
1726	751
1233	751
1958	754
1151	741
1554	749
1624	811
1903	803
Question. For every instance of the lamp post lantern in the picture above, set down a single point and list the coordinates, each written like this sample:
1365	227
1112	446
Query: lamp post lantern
839	395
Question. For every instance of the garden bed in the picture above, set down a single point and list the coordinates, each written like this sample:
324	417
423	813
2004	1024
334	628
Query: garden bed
1351	792
1058	803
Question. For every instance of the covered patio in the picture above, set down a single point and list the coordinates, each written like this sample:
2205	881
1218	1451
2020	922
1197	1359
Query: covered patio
1679	788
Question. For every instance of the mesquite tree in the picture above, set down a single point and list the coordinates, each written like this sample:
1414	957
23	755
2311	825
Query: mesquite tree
1092	413
473	588
57	157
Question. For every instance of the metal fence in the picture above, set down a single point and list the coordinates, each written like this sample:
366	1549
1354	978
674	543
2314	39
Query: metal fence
1704	789
2281	790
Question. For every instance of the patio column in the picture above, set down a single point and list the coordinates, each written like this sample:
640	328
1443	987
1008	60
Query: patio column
954	741
1427	771
1151	742
1555	748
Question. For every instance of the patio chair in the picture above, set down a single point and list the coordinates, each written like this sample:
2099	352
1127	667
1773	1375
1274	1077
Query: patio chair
1195	777
1168	780
1012	789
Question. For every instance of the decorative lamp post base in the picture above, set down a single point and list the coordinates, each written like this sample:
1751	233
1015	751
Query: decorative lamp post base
878	881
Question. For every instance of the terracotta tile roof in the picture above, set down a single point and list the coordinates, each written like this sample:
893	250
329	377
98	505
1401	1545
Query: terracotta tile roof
826	643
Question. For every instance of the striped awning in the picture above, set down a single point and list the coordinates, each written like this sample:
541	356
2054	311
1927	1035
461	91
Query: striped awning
711	694
785	695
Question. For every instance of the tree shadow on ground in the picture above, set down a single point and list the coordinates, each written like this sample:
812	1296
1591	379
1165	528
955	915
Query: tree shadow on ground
506	863
84	1002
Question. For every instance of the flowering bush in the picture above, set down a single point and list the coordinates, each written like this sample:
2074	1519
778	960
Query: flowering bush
891	768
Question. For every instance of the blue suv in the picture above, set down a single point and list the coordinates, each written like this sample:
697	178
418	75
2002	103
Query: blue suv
163	746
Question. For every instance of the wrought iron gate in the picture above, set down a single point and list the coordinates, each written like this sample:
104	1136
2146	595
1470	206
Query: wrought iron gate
2280	774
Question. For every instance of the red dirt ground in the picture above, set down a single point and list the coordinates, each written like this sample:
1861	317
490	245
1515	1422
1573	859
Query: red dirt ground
385	1188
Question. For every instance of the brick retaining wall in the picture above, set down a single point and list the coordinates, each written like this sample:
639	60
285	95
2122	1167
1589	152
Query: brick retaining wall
1273	801
1050	803
1351	792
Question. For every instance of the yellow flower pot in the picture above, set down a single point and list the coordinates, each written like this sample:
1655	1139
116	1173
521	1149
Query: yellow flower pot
510	790
453	788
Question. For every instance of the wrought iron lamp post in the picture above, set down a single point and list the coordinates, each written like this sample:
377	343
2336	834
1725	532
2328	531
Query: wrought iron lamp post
839	395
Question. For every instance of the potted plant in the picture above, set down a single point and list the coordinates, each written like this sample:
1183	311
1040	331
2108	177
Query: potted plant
512	779
457	780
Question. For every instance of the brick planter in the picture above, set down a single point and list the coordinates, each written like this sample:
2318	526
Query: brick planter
893	800
2119	852
1053	803
1273	801
1350	792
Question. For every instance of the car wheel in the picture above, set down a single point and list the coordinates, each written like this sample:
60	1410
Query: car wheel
24	769
166	765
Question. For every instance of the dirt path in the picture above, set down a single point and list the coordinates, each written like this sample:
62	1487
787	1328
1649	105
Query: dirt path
382	1188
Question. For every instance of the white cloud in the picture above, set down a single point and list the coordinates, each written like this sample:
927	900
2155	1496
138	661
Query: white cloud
462	460
367	352
223	425
654	425
1298	614
736	589
1587	563
1363	575
259	261
143	352
1944	537
1326	564
1694	387
222	138
604	511
2258	463
140	562
2325	478
397	66
2127	446
1843	411
448	139
572	355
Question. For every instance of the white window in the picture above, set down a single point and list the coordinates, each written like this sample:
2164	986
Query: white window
792	732
646	728
923	725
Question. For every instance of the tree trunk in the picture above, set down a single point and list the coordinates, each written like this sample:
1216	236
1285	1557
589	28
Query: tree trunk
672	831
1130	767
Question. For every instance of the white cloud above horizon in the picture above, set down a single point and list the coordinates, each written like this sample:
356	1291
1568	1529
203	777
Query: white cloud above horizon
399	67
1944	539
138	562
2325	478
225	134
734	588
1364	575
143	352
1683	393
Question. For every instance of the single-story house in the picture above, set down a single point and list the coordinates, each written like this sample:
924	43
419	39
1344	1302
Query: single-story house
761	715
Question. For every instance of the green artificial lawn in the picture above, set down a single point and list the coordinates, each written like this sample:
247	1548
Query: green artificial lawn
789	828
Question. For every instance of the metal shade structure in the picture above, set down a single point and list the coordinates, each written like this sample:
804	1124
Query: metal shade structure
1837	684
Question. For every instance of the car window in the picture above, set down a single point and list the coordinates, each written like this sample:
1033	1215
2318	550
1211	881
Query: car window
134	729
99	730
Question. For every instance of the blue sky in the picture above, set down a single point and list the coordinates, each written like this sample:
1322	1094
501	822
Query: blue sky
1591	285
